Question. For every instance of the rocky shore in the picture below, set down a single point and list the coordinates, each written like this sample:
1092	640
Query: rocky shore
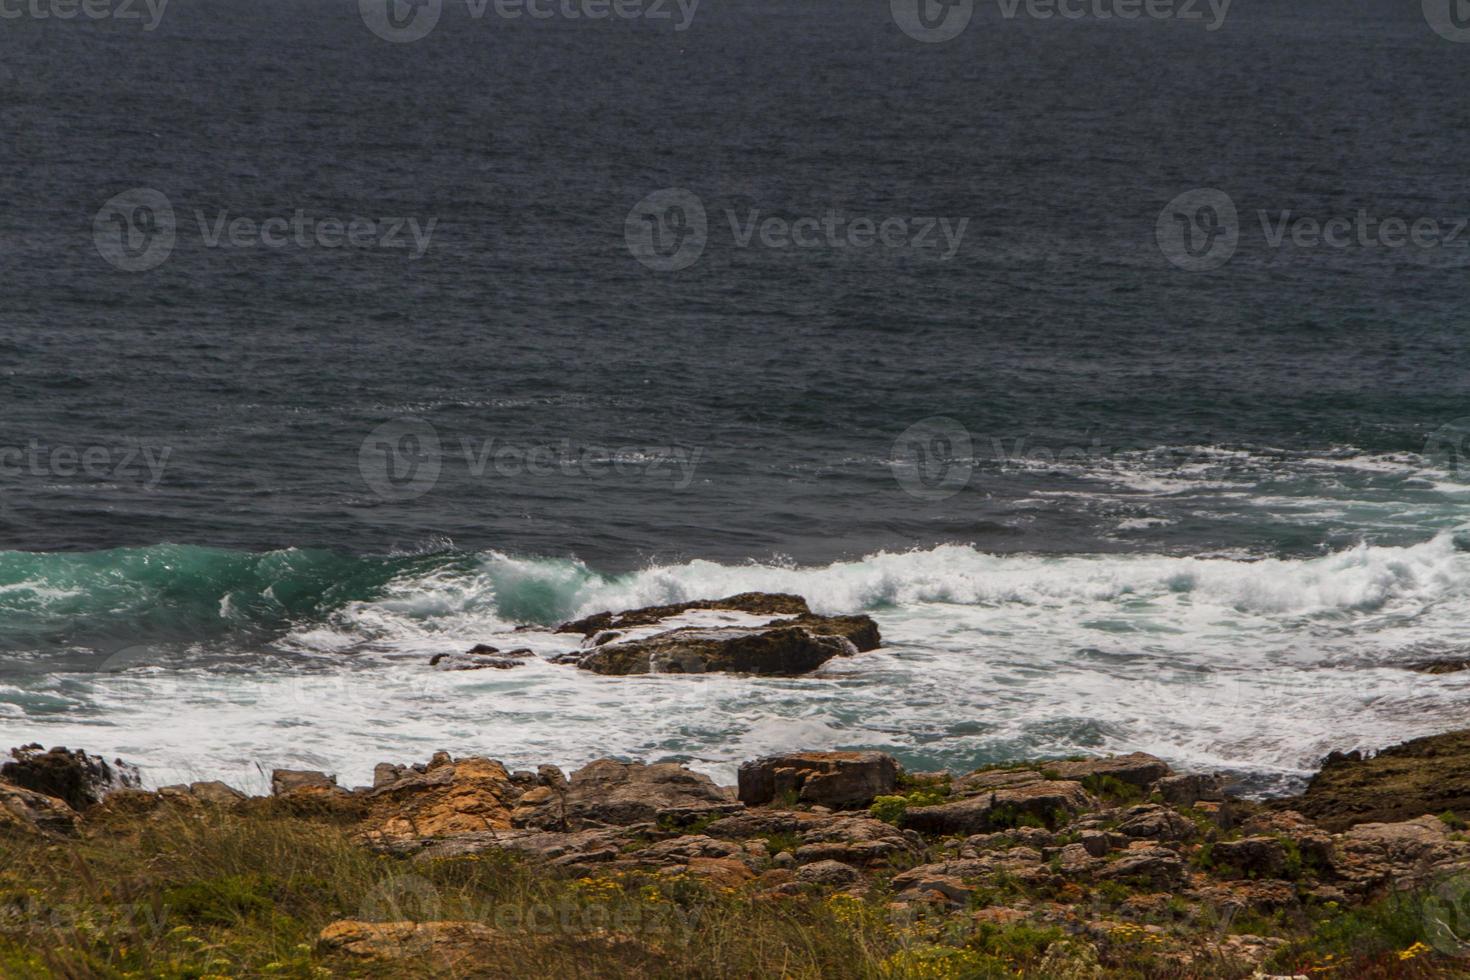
816	863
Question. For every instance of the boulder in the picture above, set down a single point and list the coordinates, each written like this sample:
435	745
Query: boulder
612	793
450	796
1251	857
1136	769
829	874
782	651
754	603
834	779
31	812
76	778
1046	800
1425	776
284	781
216	792
479	661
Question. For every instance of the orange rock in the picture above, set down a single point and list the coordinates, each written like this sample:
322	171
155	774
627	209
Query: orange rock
452	797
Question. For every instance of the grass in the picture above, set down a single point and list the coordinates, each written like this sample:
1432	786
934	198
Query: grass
174	894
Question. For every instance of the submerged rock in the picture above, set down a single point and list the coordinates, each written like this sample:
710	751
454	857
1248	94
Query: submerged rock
75	778
481	657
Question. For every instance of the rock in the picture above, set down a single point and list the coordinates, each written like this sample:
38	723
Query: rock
1439	666
1094	842
829	874
1071	959
782	651
1041	799
722	872
451	943
797	642
284	781
76	778
474	661
942	888
1424	776
1158	866
1153	822
612	793
31	812
1251	857
1136	769
755	603
1187	790
218	793
837	779
451	796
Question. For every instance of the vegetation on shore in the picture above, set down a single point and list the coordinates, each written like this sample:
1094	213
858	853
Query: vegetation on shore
247	891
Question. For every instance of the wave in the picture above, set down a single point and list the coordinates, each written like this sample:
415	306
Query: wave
192	593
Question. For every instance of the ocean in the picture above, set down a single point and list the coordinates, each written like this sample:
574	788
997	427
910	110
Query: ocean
1115	366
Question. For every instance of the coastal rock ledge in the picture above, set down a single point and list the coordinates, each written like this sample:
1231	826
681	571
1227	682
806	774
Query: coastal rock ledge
750	633
1085	857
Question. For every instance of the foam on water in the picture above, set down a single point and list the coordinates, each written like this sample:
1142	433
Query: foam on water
1256	666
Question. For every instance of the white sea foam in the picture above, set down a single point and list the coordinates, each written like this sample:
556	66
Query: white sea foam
1257	666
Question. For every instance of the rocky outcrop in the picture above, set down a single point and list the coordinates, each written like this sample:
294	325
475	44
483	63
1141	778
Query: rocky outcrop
481	657
795	641
287	781
754	603
460	948
833	779
1001	799
27	811
1425	776
76	778
448	796
781	651
612	793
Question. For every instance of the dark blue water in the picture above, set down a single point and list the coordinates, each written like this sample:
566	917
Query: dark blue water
1058	323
